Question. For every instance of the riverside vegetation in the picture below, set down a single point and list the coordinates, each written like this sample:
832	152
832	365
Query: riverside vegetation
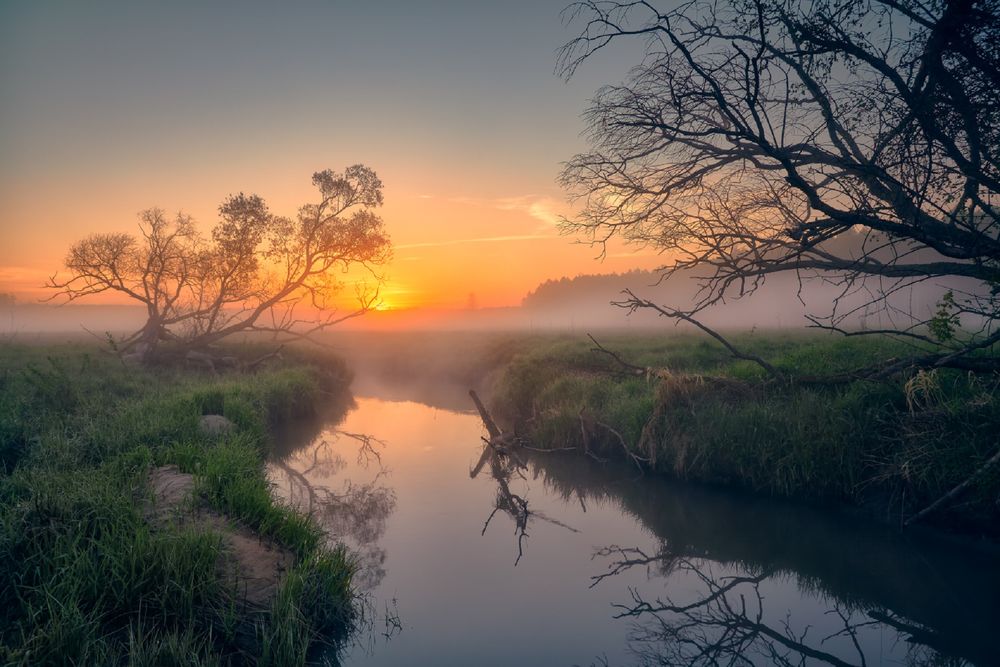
87	577
892	446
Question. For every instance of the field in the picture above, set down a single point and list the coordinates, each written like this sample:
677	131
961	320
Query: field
92	573
891	447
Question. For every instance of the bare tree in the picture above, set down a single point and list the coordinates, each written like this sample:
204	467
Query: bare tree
257	271
853	141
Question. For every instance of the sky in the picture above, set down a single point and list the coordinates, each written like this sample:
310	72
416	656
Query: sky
110	108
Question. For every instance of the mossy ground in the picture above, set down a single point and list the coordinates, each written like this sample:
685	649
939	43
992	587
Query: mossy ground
84	576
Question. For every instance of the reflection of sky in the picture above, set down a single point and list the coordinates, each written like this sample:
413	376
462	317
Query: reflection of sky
460	598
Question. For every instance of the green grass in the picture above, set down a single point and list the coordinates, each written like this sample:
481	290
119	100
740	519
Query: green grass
710	418
85	579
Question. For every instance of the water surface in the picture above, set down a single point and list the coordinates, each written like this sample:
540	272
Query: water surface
556	559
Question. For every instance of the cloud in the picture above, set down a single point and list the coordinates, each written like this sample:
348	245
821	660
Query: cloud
544	209
486	239
637	253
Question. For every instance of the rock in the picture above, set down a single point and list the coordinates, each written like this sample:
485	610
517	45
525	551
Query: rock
215	425
228	362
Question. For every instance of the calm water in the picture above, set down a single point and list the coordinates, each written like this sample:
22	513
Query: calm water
561	560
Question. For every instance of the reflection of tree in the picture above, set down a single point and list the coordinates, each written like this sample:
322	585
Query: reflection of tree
354	512
938	585
505	464
294	435
726	622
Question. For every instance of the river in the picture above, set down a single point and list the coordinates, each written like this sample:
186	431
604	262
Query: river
557	559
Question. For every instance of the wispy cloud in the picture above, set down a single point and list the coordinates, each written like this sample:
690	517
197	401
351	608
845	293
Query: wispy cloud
546	210
23	279
637	253
485	239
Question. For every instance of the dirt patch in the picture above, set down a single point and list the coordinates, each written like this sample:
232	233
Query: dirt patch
256	565
171	489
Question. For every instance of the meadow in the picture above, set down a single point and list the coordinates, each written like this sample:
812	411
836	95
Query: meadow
89	575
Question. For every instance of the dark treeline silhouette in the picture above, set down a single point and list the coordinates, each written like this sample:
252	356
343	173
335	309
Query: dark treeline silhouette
590	301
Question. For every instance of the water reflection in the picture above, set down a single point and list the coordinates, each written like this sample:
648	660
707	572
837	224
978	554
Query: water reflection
920	599
306	471
727	620
640	568
506	464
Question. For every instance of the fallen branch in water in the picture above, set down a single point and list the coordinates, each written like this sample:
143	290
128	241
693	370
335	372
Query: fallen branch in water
491	426
955	491
636	459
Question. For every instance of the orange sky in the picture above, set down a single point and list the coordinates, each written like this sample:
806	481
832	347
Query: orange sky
446	245
113	108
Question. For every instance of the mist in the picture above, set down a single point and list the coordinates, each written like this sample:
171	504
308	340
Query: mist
580	303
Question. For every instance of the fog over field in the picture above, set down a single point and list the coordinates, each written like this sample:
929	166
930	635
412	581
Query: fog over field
580	303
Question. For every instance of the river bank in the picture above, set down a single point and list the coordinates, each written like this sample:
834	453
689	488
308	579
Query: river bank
104	562
553	558
890	448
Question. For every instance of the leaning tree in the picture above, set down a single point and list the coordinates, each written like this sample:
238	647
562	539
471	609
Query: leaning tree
853	141
256	272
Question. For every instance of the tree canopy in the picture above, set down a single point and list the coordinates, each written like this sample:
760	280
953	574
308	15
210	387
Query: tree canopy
256	271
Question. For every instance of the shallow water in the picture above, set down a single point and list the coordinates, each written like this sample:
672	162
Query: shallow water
591	563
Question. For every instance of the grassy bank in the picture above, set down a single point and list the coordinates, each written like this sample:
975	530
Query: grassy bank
87	578
892	447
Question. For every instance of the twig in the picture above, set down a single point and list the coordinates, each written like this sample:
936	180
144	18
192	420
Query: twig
632	368
252	365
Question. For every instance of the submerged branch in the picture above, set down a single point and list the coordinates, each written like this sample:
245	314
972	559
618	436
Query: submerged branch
940	502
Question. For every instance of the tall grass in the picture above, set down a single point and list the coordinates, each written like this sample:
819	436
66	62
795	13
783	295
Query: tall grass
892	446
85	578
